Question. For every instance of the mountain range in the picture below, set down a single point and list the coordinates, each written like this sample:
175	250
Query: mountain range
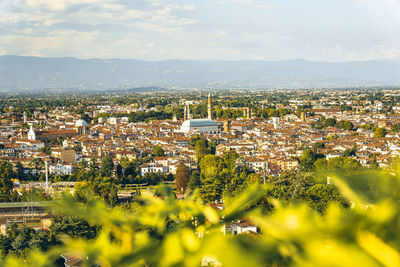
28	74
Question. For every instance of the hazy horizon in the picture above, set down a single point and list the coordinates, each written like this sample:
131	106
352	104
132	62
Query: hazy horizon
199	60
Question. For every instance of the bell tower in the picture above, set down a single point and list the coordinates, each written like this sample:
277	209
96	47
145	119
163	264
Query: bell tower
209	106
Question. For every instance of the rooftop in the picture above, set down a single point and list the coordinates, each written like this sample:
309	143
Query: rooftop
199	123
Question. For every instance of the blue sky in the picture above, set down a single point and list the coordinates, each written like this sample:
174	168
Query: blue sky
321	30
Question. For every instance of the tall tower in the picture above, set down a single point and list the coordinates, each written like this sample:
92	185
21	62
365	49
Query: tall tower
25	118
209	106
186	112
185	117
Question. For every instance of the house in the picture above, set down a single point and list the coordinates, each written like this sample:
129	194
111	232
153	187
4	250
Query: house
151	167
64	155
241	226
61	169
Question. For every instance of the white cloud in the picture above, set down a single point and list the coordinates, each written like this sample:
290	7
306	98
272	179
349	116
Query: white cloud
258	4
232	29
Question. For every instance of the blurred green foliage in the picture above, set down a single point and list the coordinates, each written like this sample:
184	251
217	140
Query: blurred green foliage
165	231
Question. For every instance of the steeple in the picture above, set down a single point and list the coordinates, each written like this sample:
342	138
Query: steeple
209	106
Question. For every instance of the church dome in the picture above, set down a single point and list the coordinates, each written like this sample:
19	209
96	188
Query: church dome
81	123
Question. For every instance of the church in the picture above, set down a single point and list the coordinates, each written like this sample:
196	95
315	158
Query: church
49	136
207	126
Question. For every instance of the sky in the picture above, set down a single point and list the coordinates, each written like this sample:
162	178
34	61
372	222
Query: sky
319	30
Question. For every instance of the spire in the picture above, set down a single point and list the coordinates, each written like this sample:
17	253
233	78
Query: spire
209	106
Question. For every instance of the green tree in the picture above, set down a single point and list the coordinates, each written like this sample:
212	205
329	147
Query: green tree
346	164
380	132
348	126
82	191
230	159
158	151
6	185
182	178
374	163
153	178
320	164
329	122
194	181
307	160
20	171
201	149
396	127
212	186
60	140
46	150
107	166
119	173
37	164
317	146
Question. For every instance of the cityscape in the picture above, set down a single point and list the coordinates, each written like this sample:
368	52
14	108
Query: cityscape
214	133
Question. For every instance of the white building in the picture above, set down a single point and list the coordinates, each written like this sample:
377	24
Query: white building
31	133
151	167
200	125
208	126
61	169
240	227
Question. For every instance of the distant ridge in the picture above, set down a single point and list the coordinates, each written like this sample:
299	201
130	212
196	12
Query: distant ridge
25	74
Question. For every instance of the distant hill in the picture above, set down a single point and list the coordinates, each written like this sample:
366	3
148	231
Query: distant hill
18	73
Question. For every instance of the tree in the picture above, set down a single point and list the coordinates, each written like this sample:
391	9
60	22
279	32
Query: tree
158	151
20	170
37	164
107	166
153	178
105	188
320	164
73	227
396	127
60	140
46	150
252	178
82	191
193	140
380	132
307	160
374	163
329	122
230	159
194	181
119	173
348	126
349	165
350	152
182	178
200	149
6	185
317	146
212	184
